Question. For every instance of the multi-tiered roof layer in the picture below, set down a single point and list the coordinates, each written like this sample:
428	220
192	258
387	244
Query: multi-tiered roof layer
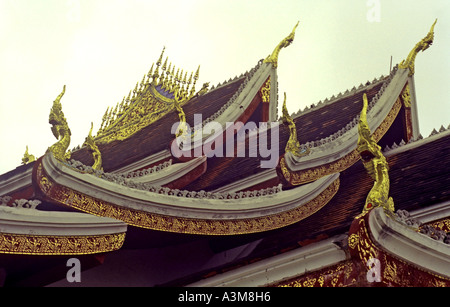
127	188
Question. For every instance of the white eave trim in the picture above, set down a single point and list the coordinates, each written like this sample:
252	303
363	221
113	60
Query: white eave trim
281	267
432	213
16	182
26	221
249	181
415	144
238	106
180	206
170	173
159	156
409	245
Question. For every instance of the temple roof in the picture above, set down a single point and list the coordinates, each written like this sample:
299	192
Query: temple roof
156	136
326	120
416	184
316	191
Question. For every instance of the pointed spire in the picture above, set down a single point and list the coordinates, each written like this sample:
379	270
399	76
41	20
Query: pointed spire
158	63
105	116
110	116
196	76
156	73
150	74
142	85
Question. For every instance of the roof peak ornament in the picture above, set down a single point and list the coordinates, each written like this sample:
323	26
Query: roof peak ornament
423	45
28	158
292	145
149	101
92	146
375	164
60	130
273	58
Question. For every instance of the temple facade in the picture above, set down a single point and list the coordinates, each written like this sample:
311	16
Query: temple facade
197	185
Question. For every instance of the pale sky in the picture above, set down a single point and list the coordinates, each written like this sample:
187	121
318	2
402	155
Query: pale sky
100	49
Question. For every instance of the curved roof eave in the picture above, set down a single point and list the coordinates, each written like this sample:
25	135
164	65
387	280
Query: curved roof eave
173	210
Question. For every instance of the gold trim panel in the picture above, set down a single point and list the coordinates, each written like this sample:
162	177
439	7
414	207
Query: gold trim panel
59	245
85	203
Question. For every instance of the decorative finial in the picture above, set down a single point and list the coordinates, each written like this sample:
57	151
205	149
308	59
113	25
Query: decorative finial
27	158
156	73
96	154
273	58
182	128
196	76
60	129
158	63
423	45
375	164
292	145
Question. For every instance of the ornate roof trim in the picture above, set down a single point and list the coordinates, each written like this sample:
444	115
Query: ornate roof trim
27	230
273	58
422	45
169	210
337	152
402	241
280	267
239	102
151	99
158	175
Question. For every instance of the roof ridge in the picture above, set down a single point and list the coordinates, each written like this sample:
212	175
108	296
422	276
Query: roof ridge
248	75
125	180
419	138
348	92
355	120
230	80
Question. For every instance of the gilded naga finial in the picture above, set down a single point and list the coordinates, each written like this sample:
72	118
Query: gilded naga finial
96	154
28	158
273	58
375	164
293	145
60	130
423	45
182	128
203	90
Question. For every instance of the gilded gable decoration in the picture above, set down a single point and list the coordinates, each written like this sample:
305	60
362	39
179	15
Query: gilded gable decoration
375	164
423	45
96	154
28	158
60	130
293	145
273	58
151	99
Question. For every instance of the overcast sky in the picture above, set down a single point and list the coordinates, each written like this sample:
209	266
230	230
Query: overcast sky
100	49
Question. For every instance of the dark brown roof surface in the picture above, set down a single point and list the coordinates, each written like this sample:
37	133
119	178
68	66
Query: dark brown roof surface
311	126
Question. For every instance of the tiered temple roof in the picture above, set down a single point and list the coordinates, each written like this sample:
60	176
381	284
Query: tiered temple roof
126	187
